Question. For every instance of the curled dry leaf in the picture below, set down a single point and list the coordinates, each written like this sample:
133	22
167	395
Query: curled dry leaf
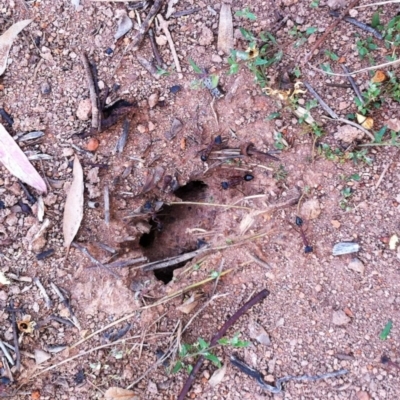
365	122
225	29
379	77
6	41
153	178
73	211
189	304
217	376
116	393
14	159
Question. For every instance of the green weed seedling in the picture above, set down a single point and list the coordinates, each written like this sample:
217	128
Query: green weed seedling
280	174
346	193
371	98
280	143
364	47
333	56
314	4
392	33
246	13
203	348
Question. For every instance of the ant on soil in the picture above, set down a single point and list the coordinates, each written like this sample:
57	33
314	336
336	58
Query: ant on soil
307	247
235	181
206	152
149	209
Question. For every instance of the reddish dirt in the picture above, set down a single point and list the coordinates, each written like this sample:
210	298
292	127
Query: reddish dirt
306	290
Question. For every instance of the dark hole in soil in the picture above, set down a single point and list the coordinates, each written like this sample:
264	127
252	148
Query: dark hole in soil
193	190
167	236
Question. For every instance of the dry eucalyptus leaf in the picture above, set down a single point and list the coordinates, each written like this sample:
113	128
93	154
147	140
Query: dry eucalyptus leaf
3	279
188	305
73	211
225	29
125	24
116	393
6	41
217	376
14	159
176	127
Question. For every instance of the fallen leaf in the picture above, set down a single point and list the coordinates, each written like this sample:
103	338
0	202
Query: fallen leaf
41	356
6	41
393	124
14	159
217	376
386	330
73	210
257	332
365	122
125	24
3	279
379	76
116	393
225	29
189	304
153	178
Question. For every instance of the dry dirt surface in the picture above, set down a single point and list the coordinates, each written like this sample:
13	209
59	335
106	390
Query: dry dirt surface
324	313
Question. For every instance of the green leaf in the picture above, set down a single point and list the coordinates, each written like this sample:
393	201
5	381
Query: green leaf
189	369
375	22
355	177
311	30
213	358
273	115
314	4
297	72
246	14
233	69
215	274
326	67
202	343
379	135
242	55
247	35
386	330
224	341
331	55
183	350
177	367
214	81
195	67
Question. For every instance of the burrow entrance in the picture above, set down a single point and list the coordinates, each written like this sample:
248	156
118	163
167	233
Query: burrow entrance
169	235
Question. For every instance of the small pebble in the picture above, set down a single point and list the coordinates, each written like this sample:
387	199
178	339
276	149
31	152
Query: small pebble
92	144
175	89
356	265
340	318
109	51
345	248
45	88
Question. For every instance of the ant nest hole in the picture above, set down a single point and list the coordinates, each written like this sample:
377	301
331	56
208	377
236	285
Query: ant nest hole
171	232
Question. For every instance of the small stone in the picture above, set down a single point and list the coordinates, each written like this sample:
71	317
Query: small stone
141	128
361	395
92	144
41	356
343	105
45	88
84	110
176	127
161	40
336	224
175	89
311	209
125	24
206	37
353	13
356	265
257	332
336	4
318	288
345	248
340	318
151	127
153	100
68	152
299	20
216	58
348	134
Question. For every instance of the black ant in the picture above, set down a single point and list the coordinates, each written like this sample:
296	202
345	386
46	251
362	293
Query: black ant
236	180
307	247
206	152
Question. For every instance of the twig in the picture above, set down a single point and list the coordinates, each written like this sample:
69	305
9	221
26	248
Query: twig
92	91
66	303
176	203
154	47
119	147
213	110
15	336
106	205
61	320
46	297
353	84
6	353
85	251
278	388
380	3
320	101
138	39
164	26
126	263
182	13
259	261
231	321
221	266
329	30
148	66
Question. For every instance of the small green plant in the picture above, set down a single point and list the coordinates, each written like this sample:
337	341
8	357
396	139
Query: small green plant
280	174
359	156
392	33
333	56
330	154
272	116
280	143
202	348
200	83
346	195
370	96
394	86
364	47
314	4
246	14
297	72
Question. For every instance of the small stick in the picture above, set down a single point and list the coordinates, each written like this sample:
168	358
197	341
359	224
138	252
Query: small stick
7	369
214	341
259	261
85	251
15	335
164	26
138	39
182	13
6	353
66	303
106	247
154	47
320	101
330	29
126	263
106	205
148	66
46	297
92	91
119	147
353	83
61	320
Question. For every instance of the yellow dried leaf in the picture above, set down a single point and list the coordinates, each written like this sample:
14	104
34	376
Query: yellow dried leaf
6	41
73	210
379	76
116	393
365	122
